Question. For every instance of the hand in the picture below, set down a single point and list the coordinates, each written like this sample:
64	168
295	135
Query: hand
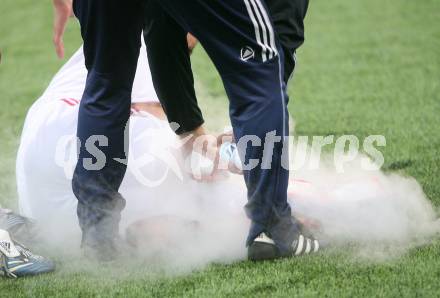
62	13
200	154
233	163
201	162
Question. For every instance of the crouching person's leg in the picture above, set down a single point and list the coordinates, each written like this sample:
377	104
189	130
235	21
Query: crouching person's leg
111	32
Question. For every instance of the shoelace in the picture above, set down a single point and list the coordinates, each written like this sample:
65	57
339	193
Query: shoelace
27	253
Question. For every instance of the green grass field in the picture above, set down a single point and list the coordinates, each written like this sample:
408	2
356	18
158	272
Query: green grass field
368	67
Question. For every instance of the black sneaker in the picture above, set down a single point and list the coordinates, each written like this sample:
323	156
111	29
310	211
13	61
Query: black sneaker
103	252
264	248
101	241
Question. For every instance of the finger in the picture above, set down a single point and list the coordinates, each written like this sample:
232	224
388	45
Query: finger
62	14
59	46
60	50
234	170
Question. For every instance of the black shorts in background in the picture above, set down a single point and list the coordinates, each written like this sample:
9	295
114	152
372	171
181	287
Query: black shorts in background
170	66
288	17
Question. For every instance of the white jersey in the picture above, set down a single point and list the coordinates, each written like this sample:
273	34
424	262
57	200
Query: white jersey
155	183
69	82
47	153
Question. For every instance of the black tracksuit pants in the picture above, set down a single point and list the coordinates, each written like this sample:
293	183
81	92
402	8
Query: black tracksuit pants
239	37
170	62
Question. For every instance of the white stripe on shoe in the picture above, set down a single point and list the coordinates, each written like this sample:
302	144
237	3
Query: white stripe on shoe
316	246
12	270
305	246
300	245
308	246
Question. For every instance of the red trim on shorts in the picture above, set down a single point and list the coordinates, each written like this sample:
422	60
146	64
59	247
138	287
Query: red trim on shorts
70	101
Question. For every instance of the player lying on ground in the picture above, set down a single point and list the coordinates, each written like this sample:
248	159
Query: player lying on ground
166	209
156	183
